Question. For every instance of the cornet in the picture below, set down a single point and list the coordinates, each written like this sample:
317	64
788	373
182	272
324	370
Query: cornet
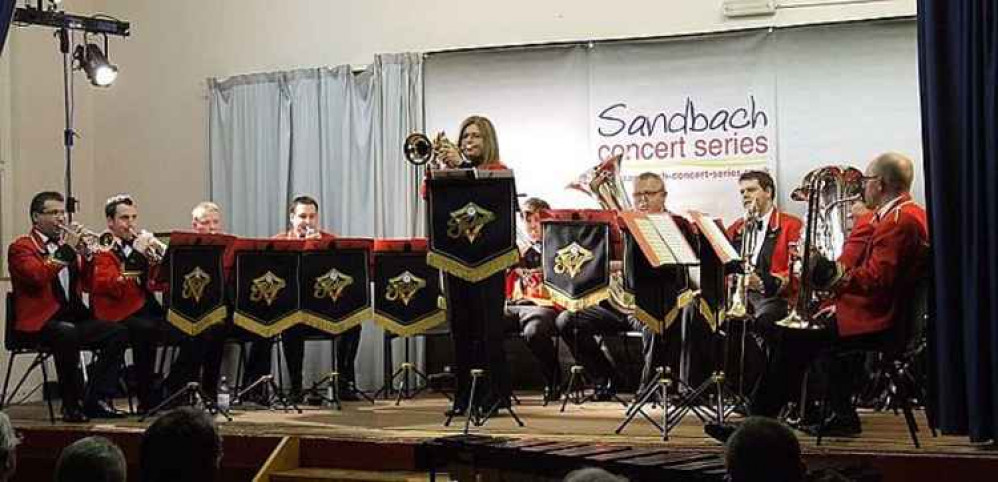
419	150
90	242
148	245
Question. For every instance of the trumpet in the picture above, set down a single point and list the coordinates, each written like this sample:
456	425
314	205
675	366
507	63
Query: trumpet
738	307
419	150
148	245
90	242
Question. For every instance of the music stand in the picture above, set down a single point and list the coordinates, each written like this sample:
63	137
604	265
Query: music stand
717	258
267	300
657	257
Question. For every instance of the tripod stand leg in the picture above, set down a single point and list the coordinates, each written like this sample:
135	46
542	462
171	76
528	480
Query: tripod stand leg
472	410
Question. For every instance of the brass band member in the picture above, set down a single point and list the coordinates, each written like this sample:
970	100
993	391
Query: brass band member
579	329
122	292
524	287
475	310
200	357
772	233
47	273
872	292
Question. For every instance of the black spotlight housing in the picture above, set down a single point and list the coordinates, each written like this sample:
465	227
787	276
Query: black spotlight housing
94	63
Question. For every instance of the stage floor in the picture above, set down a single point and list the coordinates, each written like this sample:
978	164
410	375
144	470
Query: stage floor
422	419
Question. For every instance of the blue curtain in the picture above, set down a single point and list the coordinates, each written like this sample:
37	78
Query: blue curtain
6	14
958	68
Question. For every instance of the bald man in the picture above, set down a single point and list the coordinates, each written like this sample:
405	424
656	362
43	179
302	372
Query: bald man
873	291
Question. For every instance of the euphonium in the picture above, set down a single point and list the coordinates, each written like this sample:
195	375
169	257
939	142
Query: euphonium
828	191
419	150
603	183
738	306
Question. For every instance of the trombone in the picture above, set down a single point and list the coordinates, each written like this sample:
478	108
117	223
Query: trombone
738	307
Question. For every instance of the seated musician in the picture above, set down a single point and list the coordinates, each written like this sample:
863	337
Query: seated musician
528	308
47	272
770	233
475	309
579	329
122	283
871	293
200	357
303	214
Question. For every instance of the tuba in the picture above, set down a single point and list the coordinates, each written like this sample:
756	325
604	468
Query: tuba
829	191
419	150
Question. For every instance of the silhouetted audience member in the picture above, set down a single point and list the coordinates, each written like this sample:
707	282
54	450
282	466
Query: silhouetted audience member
593	474
763	450
181	446
8	448
91	459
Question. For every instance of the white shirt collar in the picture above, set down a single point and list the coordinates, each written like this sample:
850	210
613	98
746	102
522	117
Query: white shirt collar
886	208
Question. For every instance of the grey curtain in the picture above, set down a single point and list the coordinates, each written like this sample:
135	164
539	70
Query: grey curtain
331	133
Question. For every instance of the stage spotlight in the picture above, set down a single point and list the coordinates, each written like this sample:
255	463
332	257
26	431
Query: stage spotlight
94	63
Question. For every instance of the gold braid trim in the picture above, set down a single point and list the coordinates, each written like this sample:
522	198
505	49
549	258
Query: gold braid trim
266	331
658	326
338	326
576	304
195	327
708	314
473	274
419	326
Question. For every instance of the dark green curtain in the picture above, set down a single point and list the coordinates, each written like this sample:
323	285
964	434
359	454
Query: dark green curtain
958	69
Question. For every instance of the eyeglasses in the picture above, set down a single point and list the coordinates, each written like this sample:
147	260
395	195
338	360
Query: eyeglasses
869	178
648	194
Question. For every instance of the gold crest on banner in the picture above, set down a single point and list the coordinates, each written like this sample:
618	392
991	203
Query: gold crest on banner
404	287
570	259
195	283
331	285
469	222
266	288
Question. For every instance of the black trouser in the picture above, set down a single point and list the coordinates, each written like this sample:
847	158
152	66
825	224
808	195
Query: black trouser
747	361
65	339
792	354
293	342
475	312
143	334
346	344
200	358
537	328
579	330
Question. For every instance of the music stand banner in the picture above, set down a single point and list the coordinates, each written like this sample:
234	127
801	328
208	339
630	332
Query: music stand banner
335	282
406	289
267	285
197	281
471	226
576	261
658	294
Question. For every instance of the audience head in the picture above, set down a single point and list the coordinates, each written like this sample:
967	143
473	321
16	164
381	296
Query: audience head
593	474
649	193
477	141
181	446
48	212
763	450
91	459
304	215
206	218
8	448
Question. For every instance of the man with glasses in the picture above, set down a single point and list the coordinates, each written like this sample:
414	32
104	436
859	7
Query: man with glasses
47	273
580	329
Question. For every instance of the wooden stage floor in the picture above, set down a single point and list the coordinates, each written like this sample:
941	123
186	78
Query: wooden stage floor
422	419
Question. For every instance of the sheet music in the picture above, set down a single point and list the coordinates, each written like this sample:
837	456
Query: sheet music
718	240
658	244
673	237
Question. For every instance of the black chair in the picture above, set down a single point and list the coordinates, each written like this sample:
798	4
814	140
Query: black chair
17	344
895	360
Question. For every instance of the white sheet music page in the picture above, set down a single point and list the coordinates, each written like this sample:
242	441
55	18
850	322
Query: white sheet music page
680	249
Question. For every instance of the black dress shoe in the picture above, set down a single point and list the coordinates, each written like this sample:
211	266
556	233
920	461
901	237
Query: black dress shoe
604	393
552	393
455	411
837	425
720	431
74	415
101	409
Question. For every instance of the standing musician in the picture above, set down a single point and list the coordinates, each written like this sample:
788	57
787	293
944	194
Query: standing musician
475	310
873	290
771	233
122	289
200	357
579	329
528	308
47	272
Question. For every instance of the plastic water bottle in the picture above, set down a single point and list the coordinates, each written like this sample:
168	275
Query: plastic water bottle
224	396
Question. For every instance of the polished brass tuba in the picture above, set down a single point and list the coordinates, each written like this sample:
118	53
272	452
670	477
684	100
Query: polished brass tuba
419	150
829	191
